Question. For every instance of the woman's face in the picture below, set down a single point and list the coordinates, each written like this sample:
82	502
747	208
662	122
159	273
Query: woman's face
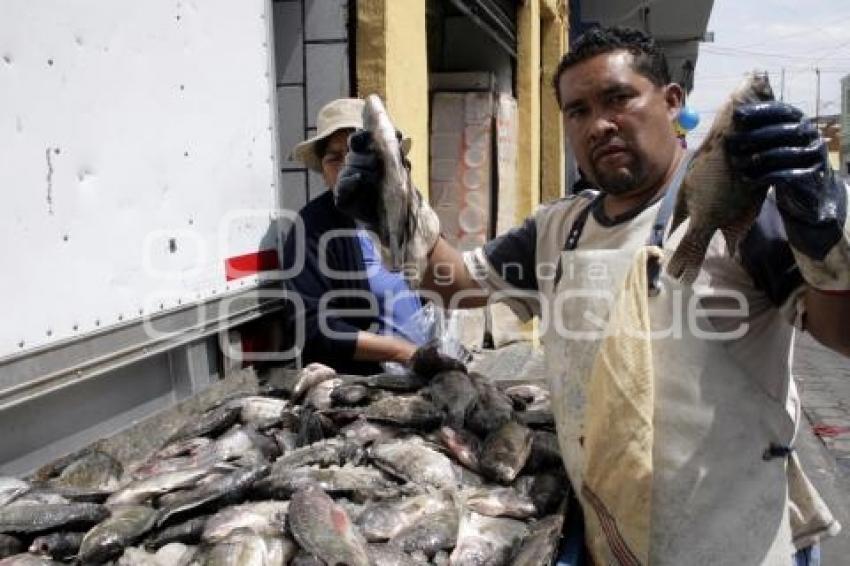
334	156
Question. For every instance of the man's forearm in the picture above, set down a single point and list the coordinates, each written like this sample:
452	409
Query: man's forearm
826	319
376	348
448	277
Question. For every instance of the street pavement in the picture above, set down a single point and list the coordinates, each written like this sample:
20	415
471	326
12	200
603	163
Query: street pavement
823	378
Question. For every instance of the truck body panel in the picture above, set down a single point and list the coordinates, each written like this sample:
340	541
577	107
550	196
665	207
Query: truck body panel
139	156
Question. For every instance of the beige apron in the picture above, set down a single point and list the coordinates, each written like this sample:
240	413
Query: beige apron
717	494
715	499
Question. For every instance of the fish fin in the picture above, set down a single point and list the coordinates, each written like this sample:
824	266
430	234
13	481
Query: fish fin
680	213
733	236
736	231
689	255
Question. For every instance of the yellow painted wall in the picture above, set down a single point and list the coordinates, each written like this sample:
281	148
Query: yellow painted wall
528	101
392	61
553	46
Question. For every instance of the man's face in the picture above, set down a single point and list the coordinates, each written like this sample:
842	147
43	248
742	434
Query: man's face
334	156
619	123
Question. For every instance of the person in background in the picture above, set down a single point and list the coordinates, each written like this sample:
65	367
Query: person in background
342	270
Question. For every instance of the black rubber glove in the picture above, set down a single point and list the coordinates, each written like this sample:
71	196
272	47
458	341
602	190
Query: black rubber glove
358	186
773	144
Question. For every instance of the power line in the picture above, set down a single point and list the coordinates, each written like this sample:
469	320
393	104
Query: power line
732	52
839	46
807	31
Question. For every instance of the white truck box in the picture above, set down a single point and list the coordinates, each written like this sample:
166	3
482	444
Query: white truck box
139	173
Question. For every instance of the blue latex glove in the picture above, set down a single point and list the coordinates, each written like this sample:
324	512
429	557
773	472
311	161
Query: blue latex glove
774	144
358	186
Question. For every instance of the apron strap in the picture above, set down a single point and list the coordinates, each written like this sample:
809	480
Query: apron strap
574	234
578	225
665	211
659	225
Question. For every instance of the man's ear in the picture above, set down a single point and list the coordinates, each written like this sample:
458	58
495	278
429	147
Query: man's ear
675	97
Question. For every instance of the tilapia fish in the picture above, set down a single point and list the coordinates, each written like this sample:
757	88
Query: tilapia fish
61	545
711	195
226	489
244	548
324	529
384	520
359	482
108	539
410	411
414	461
499	502
487	540
333	451
397	223
505	452
139	491
453	392
463	445
187	532
38	518
265	518
542	542
430	534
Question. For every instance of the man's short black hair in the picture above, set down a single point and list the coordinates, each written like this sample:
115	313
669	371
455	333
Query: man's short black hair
649	60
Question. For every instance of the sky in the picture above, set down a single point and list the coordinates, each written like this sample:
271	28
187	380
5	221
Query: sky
769	35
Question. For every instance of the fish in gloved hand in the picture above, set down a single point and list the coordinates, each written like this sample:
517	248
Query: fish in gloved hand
375	188
713	195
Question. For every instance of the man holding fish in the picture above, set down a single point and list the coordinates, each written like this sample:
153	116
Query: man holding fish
678	442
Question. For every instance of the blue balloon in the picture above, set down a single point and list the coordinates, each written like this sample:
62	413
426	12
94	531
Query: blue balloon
688	118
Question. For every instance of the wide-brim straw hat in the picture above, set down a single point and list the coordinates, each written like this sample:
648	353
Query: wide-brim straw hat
339	114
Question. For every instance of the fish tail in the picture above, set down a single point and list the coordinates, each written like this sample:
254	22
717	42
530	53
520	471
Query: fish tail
687	260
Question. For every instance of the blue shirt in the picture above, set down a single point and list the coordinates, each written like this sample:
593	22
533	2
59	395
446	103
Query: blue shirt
398	306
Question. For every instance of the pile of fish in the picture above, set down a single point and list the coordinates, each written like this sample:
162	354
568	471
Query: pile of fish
432	466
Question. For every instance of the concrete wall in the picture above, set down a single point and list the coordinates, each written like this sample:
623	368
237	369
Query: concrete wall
312	54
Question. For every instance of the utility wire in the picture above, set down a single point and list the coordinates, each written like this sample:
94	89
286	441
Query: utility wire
731	52
807	31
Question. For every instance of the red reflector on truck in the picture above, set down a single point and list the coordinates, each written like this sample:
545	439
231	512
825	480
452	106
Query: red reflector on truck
250	264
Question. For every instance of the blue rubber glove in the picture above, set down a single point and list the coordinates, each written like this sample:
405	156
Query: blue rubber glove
358	186
775	145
